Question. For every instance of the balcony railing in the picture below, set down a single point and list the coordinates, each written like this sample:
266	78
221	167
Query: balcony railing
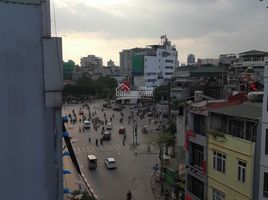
218	135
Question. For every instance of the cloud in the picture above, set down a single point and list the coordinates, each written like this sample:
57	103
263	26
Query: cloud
214	25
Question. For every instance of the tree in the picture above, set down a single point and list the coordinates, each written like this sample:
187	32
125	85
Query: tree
164	139
161	91
103	87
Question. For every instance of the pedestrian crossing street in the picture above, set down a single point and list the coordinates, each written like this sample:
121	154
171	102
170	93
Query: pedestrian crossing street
107	147
104	147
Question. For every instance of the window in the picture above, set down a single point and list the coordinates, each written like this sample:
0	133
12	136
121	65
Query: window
265	185
219	161
236	128
199	124
266	142
169	73
169	61
195	186
197	155
242	171
218	195
168	67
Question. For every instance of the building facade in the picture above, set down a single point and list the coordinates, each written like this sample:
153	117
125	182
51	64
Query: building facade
231	151
31	85
91	61
263	165
254	59
160	65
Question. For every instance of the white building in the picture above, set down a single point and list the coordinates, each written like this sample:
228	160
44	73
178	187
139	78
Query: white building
255	59
159	67
31	97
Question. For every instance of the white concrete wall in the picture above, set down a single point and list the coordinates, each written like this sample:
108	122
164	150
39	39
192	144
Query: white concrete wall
263	157
30	146
151	65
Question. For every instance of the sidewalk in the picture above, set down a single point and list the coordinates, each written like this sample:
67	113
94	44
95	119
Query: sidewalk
73	181
156	187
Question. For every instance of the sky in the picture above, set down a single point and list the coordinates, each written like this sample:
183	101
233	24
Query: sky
206	28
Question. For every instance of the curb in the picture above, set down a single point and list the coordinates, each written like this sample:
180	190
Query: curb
89	188
153	187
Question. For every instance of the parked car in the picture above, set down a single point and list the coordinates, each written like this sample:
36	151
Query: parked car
107	135
110	163
122	130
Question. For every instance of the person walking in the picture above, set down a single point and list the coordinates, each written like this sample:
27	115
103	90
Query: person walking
129	195
166	195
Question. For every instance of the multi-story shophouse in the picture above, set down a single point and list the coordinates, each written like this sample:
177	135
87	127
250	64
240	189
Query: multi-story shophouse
196	147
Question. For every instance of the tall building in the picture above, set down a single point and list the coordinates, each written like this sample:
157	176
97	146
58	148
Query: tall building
160	64
126	59
31	97
190	59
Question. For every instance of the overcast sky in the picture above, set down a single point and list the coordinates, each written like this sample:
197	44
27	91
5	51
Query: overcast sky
205	28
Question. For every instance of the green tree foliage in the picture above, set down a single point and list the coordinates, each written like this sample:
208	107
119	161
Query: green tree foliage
161	91
67	69
162	139
104	87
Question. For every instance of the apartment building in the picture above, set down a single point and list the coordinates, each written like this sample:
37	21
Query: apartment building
231	151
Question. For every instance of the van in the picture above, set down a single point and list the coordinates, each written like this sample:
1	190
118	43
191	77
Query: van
92	161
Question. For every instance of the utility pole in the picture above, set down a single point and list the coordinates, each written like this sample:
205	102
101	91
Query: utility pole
161	152
133	130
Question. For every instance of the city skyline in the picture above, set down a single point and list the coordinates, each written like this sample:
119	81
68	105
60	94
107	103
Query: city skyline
207	29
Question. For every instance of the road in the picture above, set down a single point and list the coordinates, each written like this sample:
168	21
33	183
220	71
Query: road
133	171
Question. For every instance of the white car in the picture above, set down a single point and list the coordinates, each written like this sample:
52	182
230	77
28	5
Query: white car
110	163
86	124
109	126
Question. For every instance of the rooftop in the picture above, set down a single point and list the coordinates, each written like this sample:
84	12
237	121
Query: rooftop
208	106
248	110
253	52
208	69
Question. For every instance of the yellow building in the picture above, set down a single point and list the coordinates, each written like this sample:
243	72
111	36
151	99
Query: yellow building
231	149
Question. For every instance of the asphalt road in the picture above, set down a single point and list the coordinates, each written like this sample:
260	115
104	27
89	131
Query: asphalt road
133	171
